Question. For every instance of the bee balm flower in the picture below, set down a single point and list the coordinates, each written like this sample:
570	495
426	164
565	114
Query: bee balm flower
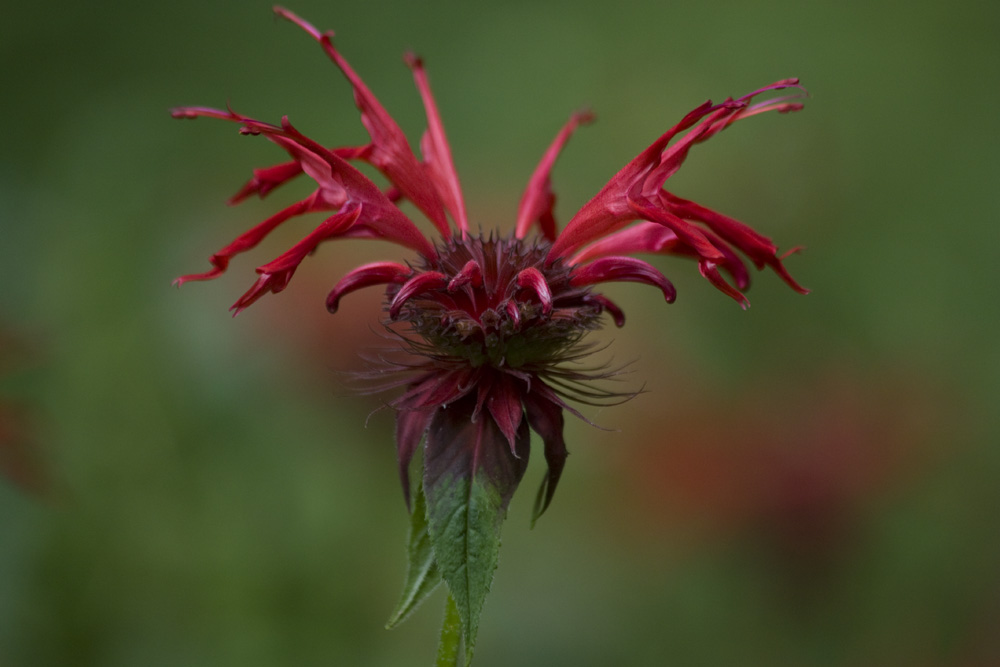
494	318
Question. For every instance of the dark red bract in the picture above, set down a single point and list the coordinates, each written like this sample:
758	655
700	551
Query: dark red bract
495	318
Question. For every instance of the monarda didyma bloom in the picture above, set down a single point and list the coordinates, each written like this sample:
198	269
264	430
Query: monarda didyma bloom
496	320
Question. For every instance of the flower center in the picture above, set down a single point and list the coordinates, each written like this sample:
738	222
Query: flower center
494	301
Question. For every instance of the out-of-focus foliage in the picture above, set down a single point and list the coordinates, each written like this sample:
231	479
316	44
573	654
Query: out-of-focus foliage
809	482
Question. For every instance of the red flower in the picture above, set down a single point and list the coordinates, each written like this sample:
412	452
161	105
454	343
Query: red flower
494	318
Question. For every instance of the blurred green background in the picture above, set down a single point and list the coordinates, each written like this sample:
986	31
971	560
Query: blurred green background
811	482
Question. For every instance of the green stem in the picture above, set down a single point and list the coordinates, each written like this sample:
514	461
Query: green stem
451	635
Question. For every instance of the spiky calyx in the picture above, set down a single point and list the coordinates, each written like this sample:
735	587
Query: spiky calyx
494	301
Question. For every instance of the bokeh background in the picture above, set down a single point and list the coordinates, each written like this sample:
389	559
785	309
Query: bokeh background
811	482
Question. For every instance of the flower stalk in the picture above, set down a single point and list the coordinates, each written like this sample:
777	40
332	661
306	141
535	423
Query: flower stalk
449	646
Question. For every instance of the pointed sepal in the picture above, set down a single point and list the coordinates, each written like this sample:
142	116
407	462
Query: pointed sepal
411	424
546	419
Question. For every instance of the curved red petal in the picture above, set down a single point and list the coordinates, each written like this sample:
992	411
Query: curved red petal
391	152
249	239
471	274
436	151
642	179
654	238
275	275
340	183
623	269
608	210
418	284
646	237
531	278
376	273
514	314
266	179
760	249
617	314
711	273
690	234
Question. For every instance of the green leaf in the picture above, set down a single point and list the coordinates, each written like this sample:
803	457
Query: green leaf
468	540
423	575
470	474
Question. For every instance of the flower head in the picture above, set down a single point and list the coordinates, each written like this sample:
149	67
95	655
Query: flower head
493	318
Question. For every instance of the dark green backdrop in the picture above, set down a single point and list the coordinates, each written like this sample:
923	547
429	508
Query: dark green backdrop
809	482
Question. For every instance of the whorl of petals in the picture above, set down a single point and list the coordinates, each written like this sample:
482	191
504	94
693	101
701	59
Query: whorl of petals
495	323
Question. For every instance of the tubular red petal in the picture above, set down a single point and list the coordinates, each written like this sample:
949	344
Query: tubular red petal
376	273
651	237
266	179
733	264
780	84
207	112
672	157
778	267
643	237
531	278
338	176
339	182
782	104
391	152
608	210
418	284
437	152
214	272
514	314
730	112
760	249
623	269
755	245
710	272
471	274
708	249
274	275
265	283
617	314
538	199
691	235
248	240
644	176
